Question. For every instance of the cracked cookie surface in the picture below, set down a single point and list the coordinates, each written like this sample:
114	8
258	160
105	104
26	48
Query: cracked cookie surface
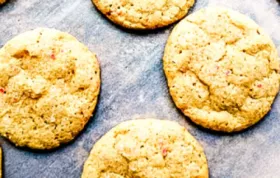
146	148
222	69
144	14
49	85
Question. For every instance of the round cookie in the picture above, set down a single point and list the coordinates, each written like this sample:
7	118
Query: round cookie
144	14
222	69
146	149
49	86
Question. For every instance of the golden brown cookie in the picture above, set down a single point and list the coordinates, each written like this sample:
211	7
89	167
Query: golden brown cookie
222	69
144	14
49	84
146	148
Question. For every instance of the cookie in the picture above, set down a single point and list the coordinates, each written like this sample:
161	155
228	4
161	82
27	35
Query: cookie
222	69
148	14
49	86
146	149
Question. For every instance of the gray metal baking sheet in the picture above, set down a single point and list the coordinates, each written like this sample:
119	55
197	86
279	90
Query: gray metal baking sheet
134	86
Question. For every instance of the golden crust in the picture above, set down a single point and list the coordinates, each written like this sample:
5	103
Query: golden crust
222	69
146	148
144	14
49	86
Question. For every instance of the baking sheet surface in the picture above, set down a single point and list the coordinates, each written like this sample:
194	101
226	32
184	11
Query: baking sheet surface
134	86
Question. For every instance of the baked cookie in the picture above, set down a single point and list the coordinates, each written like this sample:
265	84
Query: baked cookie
146	149
222	69
49	85
144	14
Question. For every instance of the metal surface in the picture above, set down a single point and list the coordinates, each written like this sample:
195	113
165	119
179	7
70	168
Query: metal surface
133	85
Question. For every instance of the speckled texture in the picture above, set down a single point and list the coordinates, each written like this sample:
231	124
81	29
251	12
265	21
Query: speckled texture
222	69
133	84
144	14
49	85
147	148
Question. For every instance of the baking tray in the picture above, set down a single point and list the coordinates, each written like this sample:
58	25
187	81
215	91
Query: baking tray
134	86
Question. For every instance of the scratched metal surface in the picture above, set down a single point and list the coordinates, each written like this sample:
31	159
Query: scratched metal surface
133	85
